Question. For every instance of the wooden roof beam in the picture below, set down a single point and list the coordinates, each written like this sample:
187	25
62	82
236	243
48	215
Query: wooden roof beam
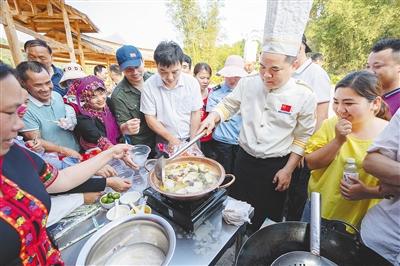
50	9
22	18
68	32
23	29
33	7
17	8
45	15
9	28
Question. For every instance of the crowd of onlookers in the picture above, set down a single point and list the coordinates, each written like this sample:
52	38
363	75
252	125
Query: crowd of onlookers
271	129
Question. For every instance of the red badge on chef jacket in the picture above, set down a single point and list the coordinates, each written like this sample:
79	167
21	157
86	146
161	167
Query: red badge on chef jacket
285	108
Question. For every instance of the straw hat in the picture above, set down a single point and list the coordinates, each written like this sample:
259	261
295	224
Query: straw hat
234	67
72	71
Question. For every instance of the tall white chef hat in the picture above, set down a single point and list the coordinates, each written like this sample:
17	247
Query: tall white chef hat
285	23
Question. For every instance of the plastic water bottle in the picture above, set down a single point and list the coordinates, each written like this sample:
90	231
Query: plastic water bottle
350	170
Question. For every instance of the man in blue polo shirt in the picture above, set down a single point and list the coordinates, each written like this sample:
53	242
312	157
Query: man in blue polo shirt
45	109
226	134
39	51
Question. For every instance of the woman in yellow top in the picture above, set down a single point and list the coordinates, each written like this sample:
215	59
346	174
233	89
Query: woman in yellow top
359	111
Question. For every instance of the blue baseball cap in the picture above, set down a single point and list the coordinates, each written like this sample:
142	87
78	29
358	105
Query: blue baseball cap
128	56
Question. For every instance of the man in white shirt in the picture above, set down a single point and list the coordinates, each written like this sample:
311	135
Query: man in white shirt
171	100
316	78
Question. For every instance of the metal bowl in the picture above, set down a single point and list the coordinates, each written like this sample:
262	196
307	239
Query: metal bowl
132	240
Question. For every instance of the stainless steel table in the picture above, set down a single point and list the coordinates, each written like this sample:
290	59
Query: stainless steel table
203	247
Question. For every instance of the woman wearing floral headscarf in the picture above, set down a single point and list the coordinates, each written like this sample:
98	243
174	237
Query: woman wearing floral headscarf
96	126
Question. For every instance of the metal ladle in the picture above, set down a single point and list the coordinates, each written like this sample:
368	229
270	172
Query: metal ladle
159	167
312	258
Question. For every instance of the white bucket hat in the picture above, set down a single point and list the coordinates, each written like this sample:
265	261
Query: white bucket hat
72	71
234	67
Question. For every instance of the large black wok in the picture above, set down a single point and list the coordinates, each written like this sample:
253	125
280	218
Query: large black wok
337	245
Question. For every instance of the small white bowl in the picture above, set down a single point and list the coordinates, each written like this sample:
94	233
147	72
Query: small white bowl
123	210
130	197
106	205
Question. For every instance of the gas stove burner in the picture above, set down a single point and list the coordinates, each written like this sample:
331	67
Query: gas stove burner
188	214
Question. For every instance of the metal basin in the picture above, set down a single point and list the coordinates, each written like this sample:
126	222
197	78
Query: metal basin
132	240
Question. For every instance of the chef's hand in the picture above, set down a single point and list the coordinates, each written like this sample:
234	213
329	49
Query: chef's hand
107	171
208	124
342	129
282	179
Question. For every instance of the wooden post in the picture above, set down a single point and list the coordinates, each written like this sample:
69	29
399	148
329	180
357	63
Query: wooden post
17	9
80	50
50	9
68	33
11	33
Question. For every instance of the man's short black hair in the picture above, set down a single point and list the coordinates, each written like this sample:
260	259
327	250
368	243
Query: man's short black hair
168	53
37	42
98	69
188	60
388	43
26	66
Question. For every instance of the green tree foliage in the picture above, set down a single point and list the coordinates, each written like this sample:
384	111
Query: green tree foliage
344	31
200	29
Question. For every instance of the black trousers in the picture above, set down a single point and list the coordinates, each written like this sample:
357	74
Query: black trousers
298	194
254	185
226	155
208	149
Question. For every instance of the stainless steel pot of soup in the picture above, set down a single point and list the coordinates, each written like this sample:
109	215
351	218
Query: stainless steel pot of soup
190	178
133	240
